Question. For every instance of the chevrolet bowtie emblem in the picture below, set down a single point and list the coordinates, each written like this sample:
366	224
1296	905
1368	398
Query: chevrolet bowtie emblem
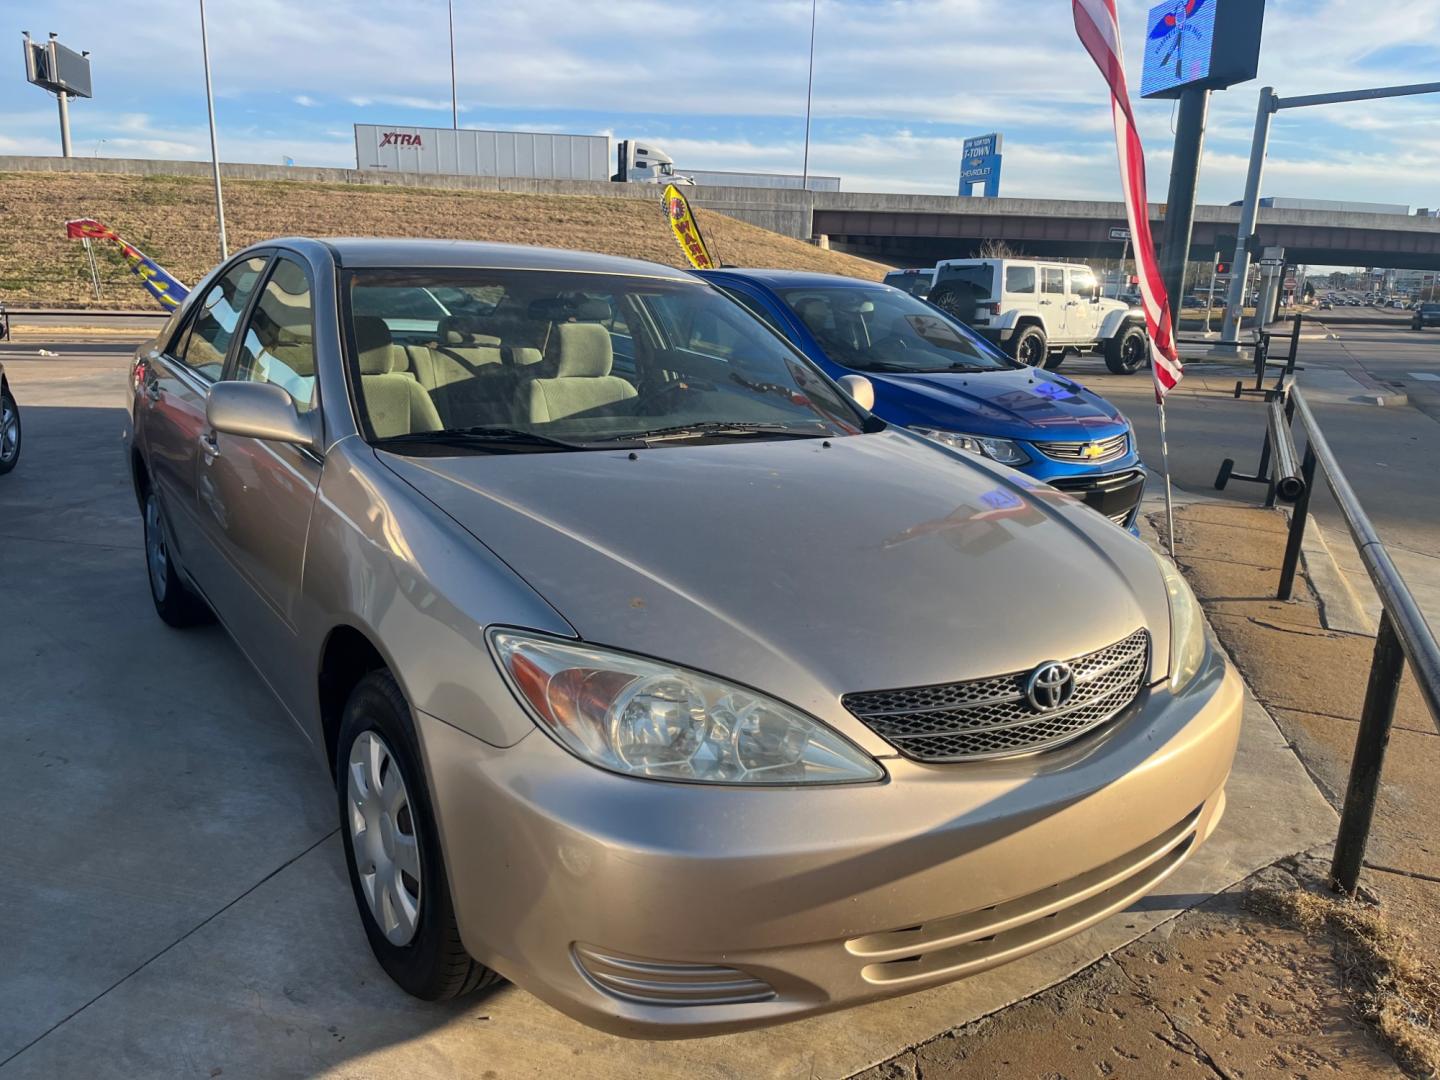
1092	451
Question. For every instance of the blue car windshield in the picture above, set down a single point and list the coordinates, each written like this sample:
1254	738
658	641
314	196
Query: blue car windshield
876	328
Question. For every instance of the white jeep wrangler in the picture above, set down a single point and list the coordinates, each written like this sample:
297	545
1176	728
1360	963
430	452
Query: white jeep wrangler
1038	311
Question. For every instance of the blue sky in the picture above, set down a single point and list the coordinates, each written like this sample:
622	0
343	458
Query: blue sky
898	85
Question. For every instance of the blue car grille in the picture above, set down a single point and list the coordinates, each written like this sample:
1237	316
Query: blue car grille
991	717
1097	452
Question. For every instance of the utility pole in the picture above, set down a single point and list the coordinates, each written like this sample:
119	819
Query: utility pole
214	145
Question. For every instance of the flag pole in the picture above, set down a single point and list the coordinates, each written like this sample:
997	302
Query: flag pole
1165	469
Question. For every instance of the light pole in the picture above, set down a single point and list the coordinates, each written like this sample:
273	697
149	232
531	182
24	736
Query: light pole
809	95
454	101
214	146
1250	209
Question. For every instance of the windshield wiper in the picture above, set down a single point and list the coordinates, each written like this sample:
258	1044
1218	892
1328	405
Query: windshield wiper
708	429
488	438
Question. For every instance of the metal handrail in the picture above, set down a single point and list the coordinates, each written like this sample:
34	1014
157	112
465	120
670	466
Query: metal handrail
1403	635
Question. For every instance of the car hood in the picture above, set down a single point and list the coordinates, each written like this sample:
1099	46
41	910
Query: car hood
1049	406
806	571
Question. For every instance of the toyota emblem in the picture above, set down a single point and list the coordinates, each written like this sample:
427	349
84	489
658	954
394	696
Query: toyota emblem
1050	686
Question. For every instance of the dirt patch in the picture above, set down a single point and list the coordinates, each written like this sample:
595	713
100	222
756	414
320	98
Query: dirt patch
1391	986
172	219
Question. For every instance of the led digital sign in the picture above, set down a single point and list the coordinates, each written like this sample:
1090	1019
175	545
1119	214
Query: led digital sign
1205	44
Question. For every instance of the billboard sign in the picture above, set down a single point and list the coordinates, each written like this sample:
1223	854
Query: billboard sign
1200	44
51	66
980	164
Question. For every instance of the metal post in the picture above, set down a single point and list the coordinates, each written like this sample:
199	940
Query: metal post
214	146
94	270
64	101
454	101
1370	744
1297	528
809	95
1249	215
1210	299
1180	207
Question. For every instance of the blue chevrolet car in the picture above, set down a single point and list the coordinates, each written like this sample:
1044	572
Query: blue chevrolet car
933	375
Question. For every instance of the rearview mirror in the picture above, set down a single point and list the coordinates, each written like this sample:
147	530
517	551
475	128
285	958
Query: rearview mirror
257	411
860	389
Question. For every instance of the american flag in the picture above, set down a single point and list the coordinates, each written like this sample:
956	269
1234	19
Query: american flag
1099	31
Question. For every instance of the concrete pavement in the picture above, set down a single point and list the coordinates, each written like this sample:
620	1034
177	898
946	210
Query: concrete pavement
176	898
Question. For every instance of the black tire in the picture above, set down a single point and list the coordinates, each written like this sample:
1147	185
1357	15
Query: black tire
9	441
175	602
950	300
1126	352
1030	347
433	965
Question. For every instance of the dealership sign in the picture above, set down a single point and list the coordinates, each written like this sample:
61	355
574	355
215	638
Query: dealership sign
980	164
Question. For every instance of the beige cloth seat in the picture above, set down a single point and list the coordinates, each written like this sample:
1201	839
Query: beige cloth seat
394	400
582	381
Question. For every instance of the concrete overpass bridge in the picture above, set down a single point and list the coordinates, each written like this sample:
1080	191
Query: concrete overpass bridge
919	230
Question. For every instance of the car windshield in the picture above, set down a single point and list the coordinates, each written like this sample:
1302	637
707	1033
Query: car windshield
875	328
540	361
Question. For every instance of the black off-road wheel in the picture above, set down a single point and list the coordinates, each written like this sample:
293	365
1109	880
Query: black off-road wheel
1030	347
1126	352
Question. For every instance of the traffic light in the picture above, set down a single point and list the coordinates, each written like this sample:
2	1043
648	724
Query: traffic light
1222	268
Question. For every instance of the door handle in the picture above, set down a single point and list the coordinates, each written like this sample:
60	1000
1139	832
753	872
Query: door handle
152	390
209	444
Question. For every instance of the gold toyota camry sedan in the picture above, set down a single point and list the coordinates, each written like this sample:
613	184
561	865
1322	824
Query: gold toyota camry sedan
653	672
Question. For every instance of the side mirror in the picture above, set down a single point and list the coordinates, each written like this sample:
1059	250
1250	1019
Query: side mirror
860	389
257	411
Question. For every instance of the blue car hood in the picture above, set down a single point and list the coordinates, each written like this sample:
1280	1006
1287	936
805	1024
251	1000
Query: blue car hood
1003	403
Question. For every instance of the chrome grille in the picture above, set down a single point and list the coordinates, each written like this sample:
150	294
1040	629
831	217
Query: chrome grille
1117	446
992	717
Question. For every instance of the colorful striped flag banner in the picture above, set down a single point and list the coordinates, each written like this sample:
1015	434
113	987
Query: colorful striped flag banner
1099	31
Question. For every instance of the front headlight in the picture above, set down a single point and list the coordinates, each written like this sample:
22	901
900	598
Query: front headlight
643	718
1187	627
1002	450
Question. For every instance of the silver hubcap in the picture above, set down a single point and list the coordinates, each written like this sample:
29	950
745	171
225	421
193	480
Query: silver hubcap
156	556
382	834
9	431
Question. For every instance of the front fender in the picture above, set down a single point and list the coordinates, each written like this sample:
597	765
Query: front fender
385	560
1114	320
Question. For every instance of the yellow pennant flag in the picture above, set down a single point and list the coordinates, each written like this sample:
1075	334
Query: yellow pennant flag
687	233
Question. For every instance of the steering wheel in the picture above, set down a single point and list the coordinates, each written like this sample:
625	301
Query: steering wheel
658	400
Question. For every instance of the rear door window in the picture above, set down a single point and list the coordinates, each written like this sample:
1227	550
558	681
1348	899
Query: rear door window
1052	279
1020	279
204	347
279	343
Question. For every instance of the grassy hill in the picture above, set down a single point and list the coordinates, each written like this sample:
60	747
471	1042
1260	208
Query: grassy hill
172	219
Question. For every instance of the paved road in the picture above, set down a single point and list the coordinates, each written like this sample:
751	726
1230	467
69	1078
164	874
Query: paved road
1390	453
173	896
94	319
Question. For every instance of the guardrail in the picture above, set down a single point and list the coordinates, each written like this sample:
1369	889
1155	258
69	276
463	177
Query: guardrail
1403	634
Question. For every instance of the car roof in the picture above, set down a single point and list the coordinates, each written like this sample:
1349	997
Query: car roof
397	253
792	279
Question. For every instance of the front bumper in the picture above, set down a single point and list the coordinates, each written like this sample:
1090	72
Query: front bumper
1115	494
667	910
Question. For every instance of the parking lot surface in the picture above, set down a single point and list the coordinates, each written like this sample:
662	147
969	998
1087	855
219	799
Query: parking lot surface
175	891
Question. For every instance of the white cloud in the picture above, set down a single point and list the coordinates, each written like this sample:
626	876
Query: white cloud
305	101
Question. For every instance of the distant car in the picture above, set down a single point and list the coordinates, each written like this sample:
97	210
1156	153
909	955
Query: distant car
914	282
1038	311
1400	304
934	375
1428	315
9	426
1325	305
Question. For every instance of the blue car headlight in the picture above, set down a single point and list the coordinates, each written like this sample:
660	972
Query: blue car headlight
1003	451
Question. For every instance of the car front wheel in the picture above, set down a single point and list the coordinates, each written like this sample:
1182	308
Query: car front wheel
1125	353
9	432
392	847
